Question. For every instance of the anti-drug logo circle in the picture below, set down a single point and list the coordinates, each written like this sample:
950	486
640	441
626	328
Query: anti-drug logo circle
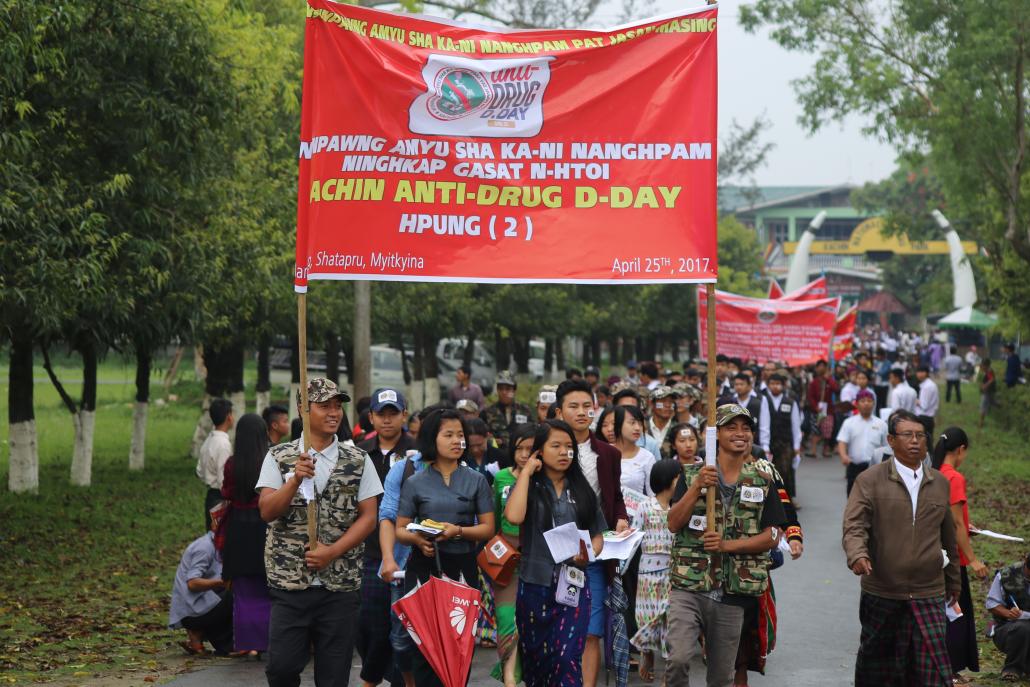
458	92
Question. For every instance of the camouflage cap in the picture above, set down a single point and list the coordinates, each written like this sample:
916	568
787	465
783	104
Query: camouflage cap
506	378
660	392
725	413
468	406
321	390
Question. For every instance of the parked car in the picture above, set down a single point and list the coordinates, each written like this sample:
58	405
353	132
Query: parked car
450	353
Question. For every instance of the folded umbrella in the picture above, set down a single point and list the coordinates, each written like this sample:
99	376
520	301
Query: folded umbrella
440	616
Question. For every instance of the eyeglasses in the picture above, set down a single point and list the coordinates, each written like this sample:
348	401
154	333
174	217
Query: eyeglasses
909	436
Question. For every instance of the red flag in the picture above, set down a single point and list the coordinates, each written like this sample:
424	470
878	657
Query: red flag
809	292
844	334
775	290
440	616
796	332
439	151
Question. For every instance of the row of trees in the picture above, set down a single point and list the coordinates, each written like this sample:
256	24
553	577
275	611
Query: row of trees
147	197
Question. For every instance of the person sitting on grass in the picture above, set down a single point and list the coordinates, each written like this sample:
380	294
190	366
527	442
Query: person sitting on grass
200	602
1008	601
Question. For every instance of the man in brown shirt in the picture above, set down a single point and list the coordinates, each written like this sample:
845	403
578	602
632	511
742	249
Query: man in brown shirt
896	524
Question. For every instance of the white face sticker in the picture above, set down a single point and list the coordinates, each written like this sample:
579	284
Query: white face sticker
387	395
659	405
751	494
463	444
686	433
572	454
548	397
591	412
697	522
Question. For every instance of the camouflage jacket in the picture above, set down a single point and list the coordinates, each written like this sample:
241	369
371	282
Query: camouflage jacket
1013	583
287	538
501	425
697	570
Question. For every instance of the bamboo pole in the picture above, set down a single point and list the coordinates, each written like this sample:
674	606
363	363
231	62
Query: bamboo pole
305	405
712	399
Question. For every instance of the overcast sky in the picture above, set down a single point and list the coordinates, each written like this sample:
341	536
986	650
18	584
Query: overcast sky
754	76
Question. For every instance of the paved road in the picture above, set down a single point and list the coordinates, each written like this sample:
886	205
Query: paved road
817	600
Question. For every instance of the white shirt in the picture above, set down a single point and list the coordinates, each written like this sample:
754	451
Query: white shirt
588	463
849	393
863	437
929	398
912	479
215	450
902	397
636	472
659	434
765	422
325	463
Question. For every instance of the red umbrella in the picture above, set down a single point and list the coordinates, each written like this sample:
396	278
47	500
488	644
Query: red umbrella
440	616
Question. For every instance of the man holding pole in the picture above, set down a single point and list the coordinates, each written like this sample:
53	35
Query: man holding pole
717	571
314	584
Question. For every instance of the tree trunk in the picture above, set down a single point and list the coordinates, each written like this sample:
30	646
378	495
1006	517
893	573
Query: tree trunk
548	357
559	354
521	346
627	349
139	411
595	350
613	353
502	350
235	362
332	357
431	368
85	418
23	474
418	381
470	350
263	387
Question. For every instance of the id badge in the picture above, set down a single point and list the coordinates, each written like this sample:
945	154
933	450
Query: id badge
697	522
570	581
752	494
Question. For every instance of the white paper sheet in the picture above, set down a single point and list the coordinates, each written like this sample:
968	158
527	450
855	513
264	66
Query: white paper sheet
563	541
307	487
711	445
620	546
994	535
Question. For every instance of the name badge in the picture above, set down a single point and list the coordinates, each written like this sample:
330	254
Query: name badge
521	419
570	581
505	493
752	494
785	409
395	458
697	522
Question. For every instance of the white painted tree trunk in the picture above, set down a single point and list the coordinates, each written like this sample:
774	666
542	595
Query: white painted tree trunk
292	404
23	475
432	394
82	452
203	428
139	436
264	399
417	395
239	404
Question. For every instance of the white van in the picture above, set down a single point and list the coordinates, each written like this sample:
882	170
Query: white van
450	354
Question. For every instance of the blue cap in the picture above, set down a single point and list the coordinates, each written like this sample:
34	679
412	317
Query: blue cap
384	397
631	364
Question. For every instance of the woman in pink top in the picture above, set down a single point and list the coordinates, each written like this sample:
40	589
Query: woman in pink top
948	455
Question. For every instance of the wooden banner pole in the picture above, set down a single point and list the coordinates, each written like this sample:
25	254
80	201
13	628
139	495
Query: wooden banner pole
305	405
712	399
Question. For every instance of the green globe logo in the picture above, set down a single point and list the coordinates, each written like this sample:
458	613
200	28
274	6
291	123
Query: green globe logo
459	93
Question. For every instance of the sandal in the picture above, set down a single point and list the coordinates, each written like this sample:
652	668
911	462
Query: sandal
193	649
646	668
1010	677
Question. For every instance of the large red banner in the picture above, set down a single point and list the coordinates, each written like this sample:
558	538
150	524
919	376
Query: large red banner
436	151
795	332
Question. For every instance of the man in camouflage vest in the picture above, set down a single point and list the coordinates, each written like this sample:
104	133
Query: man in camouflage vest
1009	602
716	575
507	414
314	589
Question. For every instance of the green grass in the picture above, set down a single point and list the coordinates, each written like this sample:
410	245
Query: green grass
997	472
87	572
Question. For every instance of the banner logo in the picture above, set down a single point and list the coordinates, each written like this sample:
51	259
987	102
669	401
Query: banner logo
766	316
500	98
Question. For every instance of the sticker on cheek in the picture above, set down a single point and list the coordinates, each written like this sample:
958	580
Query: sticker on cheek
463	444
590	413
572	454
